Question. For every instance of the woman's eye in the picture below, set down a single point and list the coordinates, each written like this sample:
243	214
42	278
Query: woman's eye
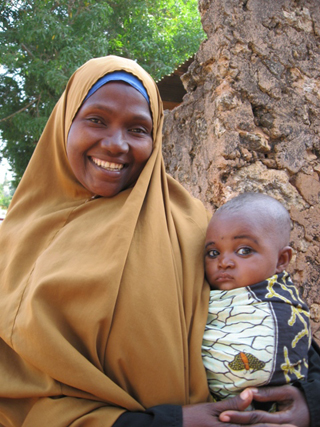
213	253
138	130
95	120
244	251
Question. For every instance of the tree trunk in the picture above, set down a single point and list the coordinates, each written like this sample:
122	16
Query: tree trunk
251	118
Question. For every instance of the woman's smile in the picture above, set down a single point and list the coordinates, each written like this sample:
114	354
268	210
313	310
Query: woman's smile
116	167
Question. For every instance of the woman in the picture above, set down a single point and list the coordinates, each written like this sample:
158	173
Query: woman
102	301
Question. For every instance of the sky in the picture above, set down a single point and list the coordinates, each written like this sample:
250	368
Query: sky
4	168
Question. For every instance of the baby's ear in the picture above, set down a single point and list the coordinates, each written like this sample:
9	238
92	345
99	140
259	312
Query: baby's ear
285	256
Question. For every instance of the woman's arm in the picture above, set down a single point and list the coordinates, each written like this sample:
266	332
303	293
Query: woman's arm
199	415
294	407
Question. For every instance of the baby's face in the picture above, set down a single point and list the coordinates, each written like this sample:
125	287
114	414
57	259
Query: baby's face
239	251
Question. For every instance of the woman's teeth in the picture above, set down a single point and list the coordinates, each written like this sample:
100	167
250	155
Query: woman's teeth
107	165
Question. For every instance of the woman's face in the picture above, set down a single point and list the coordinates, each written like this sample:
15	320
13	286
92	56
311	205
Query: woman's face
110	139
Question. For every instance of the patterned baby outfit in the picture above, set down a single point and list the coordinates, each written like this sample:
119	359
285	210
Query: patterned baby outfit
255	336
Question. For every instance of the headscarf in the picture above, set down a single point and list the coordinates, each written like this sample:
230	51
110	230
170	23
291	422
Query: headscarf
121	76
102	300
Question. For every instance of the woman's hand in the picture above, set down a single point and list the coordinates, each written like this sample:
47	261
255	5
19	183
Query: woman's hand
292	408
210	414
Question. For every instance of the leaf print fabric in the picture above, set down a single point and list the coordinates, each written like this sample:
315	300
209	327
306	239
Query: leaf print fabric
256	336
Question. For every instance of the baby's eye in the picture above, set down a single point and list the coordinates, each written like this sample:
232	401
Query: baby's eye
213	253
244	251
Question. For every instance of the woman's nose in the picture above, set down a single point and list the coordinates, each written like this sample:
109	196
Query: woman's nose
226	261
115	143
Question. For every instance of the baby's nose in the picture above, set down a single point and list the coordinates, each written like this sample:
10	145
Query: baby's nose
226	261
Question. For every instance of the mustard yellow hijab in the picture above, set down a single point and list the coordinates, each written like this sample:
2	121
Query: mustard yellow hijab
102	300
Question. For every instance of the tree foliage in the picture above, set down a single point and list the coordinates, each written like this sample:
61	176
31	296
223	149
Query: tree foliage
42	42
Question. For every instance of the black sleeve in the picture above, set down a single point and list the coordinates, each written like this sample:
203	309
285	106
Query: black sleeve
311	387
157	416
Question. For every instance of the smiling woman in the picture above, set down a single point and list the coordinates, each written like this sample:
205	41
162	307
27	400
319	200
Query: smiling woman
94	267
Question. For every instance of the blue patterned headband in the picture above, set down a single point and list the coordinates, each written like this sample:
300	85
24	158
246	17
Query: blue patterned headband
119	76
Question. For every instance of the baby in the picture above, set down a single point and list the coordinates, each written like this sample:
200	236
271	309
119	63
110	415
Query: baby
258	330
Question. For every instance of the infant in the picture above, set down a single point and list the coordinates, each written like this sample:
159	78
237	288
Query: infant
258	330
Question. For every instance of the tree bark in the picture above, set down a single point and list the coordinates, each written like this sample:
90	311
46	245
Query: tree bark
250	120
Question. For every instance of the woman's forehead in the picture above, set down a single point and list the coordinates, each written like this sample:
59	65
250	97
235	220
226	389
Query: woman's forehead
118	97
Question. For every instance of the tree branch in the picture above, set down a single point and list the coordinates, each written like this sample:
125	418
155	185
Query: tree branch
28	50
19	111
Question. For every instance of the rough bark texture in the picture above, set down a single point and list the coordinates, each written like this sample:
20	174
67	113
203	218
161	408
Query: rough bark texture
250	119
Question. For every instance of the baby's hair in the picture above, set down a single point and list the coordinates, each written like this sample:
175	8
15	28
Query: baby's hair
268	208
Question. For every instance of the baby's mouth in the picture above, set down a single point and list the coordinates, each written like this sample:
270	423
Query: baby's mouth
223	277
107	165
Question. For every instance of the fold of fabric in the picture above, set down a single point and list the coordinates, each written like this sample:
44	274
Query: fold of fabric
102	301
